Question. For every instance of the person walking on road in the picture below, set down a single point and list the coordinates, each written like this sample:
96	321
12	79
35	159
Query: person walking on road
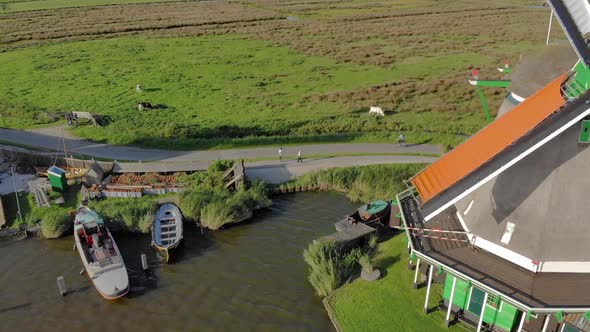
402	140
299	159
281	153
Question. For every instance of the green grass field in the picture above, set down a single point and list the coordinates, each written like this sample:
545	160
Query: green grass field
389	304
7	6
232	74
203	88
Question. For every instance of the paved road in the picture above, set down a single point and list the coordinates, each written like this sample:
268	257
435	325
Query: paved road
77	146
278	172
274	171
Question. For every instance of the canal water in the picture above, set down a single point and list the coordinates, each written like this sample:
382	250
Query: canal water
249	277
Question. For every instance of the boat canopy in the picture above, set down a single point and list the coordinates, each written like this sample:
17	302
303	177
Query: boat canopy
88	217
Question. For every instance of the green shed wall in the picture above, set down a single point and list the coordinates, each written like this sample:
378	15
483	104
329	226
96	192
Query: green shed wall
58	182
461	291
504	319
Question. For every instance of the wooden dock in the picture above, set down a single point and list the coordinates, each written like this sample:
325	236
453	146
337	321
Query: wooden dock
349	233
20	233
235	177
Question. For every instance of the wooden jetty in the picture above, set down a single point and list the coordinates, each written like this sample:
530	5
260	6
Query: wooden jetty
20	233
38	187
349	234
235	177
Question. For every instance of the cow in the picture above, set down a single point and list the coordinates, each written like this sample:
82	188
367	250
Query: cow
144	105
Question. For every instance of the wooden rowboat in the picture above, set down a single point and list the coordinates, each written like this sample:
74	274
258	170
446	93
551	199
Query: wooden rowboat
167	229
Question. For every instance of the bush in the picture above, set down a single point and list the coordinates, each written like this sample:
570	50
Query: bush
364	183
365	262
329	266
234	208
130	214
207	200
55	222
191	202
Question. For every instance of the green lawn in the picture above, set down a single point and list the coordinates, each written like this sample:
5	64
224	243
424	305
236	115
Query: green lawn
389	304
205	88
7	6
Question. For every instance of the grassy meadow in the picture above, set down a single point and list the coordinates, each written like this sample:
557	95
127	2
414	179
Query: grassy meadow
241	74
26	5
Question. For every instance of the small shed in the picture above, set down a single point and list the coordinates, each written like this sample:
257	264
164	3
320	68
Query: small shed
57	178
94	175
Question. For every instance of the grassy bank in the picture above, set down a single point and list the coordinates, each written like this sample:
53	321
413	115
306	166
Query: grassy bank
360	184
127	214
330	266
54	220
208	201
390	303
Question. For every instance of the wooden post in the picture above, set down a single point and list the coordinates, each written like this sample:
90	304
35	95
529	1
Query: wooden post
61	284
546	323
522	319
415	285
448	319
483	310
428	289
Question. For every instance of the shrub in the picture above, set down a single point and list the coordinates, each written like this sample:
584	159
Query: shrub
234	208
191	202
55	222
329	266
219	213
365	262
372	243
362	184
129	214
207	199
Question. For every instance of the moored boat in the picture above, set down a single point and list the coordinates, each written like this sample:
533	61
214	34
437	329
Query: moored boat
100	255
167	228
371	214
